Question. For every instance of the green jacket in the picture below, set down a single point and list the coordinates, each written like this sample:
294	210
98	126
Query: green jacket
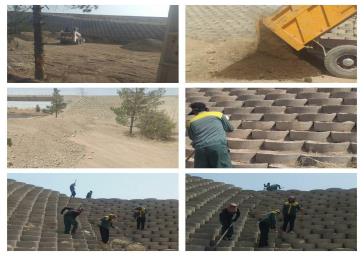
270	219
208	128
290	209
106	222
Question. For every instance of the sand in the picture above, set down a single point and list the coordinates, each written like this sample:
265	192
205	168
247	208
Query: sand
89	62
87	135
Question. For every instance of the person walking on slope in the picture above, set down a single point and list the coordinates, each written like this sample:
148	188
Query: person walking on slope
69	219
268	222
227	216
139	215
105	224
289	210
73	189
89	195
207	130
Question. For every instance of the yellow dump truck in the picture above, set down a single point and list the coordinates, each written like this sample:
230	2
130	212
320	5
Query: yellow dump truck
329	30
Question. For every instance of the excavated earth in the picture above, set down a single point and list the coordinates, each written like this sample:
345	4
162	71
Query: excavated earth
286	127
86	135
228	44
327	223
34	222
89	62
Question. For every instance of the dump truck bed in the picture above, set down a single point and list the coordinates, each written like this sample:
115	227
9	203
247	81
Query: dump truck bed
298	25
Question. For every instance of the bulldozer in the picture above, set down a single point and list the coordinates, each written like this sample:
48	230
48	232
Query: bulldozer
71	37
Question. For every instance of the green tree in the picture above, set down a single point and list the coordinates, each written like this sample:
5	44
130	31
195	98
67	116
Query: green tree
134	103
57	103
155	124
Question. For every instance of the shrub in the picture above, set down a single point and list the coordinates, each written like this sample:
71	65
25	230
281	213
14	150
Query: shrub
156	125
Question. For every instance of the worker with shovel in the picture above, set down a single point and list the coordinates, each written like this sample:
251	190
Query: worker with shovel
207	130
139	215
289	210
227	217
73	189
105	224
268	222
69	219
89	195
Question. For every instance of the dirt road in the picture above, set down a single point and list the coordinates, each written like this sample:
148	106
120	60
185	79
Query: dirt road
86	135
94	63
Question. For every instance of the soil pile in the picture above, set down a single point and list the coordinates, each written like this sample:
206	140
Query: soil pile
273	59
145	45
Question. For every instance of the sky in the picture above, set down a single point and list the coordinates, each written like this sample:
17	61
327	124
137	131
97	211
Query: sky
299	181
75	91
122	10
107	185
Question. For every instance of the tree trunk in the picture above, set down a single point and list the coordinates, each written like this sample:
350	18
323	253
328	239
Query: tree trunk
131	125
38	43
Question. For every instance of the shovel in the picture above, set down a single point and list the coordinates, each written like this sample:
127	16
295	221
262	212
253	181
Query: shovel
214	244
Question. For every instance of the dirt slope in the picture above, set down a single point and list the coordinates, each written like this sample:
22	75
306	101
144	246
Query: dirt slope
86	135
89	62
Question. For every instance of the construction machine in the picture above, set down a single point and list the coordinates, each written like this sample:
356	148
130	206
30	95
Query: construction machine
329	31
71	37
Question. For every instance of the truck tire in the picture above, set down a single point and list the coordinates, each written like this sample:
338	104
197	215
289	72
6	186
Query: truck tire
341	61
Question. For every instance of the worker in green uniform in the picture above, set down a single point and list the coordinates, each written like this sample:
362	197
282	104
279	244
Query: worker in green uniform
106	223
289	210
69	219
265	224
207	130
140	217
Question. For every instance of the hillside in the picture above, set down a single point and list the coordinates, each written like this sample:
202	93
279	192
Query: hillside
34	222
87	135
286	127
328	221
95	28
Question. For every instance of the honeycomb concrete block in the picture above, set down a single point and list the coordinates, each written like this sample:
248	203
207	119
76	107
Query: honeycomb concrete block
293	125
324	147
270	135
333	126
316	117
244	144
257	125
277	158
290	102
273	145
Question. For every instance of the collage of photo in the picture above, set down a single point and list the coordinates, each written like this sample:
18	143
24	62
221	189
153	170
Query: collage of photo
108	120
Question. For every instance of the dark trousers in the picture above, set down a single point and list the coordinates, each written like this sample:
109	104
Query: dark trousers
68	223
73	193
140	223
264	231
230	230
216	156
105	235
288	220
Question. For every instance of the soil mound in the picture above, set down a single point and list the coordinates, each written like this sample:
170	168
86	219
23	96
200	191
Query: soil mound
273	59
145	45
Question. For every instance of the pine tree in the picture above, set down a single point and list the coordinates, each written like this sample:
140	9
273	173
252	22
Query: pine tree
57	103
134	103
